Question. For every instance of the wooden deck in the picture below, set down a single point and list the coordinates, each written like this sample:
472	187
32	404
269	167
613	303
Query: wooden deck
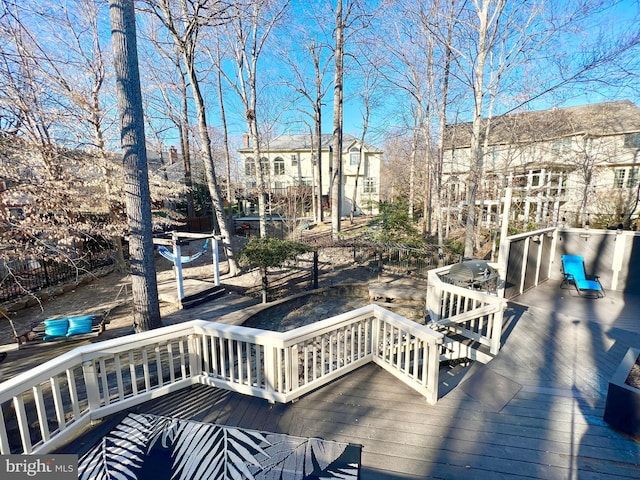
533	412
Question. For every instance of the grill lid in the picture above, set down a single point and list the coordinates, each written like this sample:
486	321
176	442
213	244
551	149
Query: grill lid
470	271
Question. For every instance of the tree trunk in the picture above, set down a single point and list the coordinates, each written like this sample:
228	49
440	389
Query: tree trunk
232	271
137	195
319	156
184	145
476	150
336	178
265	283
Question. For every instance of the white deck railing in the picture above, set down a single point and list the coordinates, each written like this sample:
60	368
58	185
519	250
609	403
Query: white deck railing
474	314
43	408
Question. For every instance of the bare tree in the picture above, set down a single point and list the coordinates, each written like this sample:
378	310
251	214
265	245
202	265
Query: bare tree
335	185
184	28
368	98
313	88
167	81
248	32
138	198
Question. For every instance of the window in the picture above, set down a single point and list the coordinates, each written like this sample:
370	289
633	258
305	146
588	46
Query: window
632	180
492	156
559	147
294	160
354	156
369	185
632	140
536	178
278	166
626	177
249	167
264	166
280	188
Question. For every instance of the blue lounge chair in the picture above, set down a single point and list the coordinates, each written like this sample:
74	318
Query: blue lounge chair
575	273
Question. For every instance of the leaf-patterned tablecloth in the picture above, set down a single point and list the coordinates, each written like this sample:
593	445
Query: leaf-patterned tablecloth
153	447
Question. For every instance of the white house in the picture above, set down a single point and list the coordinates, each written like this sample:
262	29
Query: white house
290	167
563	164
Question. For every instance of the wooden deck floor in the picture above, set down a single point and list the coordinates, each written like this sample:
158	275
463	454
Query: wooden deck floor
537	412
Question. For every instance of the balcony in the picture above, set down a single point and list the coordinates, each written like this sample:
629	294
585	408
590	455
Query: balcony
533	411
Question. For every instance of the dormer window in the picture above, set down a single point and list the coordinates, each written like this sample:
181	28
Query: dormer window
354	156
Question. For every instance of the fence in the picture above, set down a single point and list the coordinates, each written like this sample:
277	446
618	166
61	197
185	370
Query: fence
44	407
20	277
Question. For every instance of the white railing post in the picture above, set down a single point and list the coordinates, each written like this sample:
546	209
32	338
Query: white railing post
195	355
91	384
216	262
434	297
433	370
294	362
177	262
270	370
496	332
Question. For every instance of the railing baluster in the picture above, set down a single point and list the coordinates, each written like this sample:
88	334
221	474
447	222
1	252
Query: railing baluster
41	410
239	357
106	396
133	374
207	353
258	362
183	363
231	357
73	393
58	405
23	423
118	367
279	385
332	352
314	373
172	374
248	365
159	374
4	438
145	370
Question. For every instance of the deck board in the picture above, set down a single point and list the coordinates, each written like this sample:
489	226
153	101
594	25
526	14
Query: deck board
559	348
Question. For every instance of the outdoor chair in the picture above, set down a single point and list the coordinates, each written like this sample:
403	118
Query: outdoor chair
574	273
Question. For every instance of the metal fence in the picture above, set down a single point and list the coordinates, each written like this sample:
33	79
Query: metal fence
21	277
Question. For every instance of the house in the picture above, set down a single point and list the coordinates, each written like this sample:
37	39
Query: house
568	165
290	169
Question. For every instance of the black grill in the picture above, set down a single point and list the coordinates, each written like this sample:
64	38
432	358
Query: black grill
475	274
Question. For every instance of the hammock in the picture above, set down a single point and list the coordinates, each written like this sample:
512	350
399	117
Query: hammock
168	254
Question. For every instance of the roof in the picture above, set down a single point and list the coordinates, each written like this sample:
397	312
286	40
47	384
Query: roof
302	142
596	120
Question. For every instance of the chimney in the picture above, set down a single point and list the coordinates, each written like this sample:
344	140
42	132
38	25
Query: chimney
173	155
245	140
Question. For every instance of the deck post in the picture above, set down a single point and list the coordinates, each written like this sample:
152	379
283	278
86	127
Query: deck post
177	263
496	331
433	370
216	261
270	380
91	384
195	356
